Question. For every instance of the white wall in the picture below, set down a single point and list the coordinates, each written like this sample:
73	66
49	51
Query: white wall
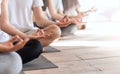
107	10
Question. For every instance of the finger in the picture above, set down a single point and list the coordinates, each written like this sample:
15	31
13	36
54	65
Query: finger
37	32
42	32
63	19
68	19
23	42
64	16
60	23
20	44
16	47
15	38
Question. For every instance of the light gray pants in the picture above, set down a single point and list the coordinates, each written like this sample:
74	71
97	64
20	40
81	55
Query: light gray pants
10	63
69	30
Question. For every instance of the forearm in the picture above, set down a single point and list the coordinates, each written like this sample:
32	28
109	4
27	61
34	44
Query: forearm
70	16
42	21
3	48
57	16
8	28
5	25
60	12
53	11
40	18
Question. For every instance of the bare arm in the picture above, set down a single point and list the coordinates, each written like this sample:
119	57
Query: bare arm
9	46
59	15
8	28
5	24
53	12
40	18
85	13
60	12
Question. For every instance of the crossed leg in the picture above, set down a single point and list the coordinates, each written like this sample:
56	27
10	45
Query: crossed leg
52	33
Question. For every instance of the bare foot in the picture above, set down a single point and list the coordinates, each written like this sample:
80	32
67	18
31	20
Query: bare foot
81	26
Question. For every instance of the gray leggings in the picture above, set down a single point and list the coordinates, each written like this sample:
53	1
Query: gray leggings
69	30
10	63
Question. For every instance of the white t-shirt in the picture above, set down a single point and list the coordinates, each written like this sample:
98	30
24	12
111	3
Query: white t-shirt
3	35
72	11
57	5
20	13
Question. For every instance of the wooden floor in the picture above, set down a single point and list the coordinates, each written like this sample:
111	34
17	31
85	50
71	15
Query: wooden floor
92	58
83	60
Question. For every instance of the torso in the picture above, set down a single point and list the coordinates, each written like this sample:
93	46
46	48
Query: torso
70	7
21	16
3	35
57	5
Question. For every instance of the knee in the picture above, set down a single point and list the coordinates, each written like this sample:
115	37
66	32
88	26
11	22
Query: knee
69	30
54	30
37	48
52	33
15	63
12	63
33	51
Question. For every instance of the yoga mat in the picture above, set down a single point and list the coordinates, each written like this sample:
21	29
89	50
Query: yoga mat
50	49
39	63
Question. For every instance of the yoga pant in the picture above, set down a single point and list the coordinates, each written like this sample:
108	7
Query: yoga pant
69	30
10	63
30	51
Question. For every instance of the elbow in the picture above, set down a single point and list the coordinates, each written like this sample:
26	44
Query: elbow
4	22
4	25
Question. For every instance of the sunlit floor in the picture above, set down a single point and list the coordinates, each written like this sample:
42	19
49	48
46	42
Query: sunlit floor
95	50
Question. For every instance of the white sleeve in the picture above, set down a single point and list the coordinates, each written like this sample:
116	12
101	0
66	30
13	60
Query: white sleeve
61	5
37	3
58	4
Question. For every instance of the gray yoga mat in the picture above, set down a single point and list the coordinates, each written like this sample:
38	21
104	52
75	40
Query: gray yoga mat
50	49
39	63
22	72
